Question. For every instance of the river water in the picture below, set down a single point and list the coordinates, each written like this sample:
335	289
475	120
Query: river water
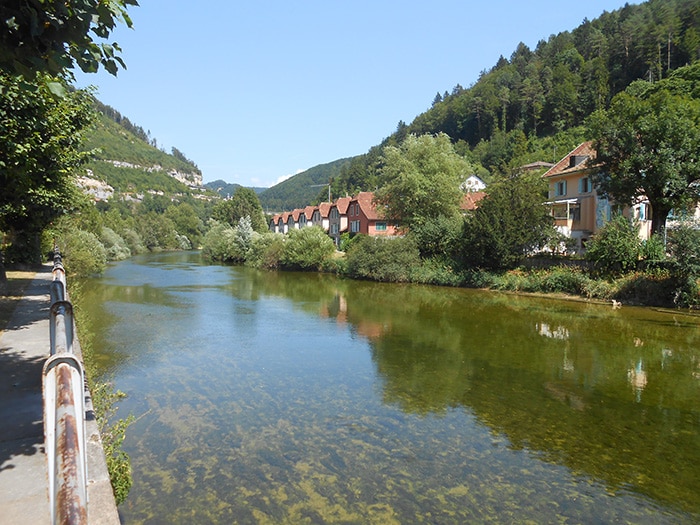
267	397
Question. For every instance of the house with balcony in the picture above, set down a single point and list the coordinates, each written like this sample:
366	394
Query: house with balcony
578	210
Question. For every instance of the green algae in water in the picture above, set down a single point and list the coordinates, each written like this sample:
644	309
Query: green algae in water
293	398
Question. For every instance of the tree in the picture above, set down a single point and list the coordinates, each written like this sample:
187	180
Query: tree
647	144
52	36
616	248
684	245
381	259
421	179
244	203
510	222
307	249
40	137
186	222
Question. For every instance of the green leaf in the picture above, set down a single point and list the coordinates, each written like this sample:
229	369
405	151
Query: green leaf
56	88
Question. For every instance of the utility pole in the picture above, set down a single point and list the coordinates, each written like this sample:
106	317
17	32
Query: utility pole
321	186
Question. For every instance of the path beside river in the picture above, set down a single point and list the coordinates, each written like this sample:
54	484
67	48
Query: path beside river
24	347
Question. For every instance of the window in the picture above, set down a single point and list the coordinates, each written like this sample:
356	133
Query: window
560	188
334	213
380	227
334	229
355	226
585	185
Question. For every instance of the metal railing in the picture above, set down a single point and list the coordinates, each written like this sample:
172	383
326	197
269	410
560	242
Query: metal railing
64	411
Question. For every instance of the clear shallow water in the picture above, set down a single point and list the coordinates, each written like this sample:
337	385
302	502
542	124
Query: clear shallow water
300	398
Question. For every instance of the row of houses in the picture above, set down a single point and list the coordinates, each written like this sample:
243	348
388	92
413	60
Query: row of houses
577	208
347	214
355	215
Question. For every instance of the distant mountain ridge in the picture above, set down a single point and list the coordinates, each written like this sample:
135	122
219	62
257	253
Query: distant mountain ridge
227	189
303	188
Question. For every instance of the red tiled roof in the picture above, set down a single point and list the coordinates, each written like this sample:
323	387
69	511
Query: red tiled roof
309	212
471	200
564	167
342	204
364	199
324	209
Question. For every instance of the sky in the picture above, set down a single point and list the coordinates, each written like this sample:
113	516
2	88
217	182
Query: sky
254	92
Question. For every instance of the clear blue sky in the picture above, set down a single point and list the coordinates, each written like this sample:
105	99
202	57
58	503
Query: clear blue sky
256	91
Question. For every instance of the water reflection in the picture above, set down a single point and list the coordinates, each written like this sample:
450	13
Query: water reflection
561	394
483	399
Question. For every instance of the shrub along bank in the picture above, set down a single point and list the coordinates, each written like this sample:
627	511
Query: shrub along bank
618	265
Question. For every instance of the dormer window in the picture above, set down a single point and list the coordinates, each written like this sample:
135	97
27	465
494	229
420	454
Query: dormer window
575	160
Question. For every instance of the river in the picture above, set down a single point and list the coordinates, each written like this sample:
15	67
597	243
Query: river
266	397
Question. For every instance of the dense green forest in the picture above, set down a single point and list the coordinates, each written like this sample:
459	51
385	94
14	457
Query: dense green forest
529	107
532	106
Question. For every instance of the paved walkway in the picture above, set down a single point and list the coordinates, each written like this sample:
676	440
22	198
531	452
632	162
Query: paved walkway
24	347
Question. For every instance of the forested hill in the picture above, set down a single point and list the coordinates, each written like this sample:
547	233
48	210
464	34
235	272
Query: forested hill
227	189
532	105
528	107
570	75
302	189
128	159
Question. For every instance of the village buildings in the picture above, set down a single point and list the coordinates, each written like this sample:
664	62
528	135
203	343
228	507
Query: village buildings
579	211
358	214
347	214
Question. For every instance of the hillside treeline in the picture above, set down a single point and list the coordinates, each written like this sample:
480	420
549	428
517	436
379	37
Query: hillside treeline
144	136
532	105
